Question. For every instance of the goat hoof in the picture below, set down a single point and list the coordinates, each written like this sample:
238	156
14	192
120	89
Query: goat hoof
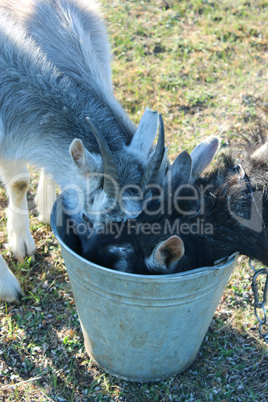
22	248
44	218
10	290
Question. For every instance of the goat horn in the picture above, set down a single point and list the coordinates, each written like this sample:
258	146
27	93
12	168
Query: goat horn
151	172
111	182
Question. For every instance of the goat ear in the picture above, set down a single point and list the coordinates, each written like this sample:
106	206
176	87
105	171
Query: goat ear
145	134
203	154
180	171
167	253
77	152
81	157
261	153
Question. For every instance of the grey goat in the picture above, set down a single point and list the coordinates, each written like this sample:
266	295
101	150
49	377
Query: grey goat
54	73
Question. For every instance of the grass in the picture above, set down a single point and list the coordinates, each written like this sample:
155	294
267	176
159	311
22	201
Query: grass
203	65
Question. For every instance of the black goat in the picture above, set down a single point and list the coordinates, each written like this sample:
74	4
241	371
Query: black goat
193	221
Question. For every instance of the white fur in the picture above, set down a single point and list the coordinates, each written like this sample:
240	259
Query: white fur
153	265
122	252
10	289
16	177
45	197
100	204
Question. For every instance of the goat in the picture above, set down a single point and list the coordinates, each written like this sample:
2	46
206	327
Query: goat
55	73
194	220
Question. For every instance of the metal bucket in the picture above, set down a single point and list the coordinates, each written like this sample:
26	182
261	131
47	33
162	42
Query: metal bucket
139	327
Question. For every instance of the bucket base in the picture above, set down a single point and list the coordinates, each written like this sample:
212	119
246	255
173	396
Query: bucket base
150	376
139	379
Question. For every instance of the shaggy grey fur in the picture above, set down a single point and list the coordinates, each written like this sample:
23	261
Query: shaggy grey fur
55	72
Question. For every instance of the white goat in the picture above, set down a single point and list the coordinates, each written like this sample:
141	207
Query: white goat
55	72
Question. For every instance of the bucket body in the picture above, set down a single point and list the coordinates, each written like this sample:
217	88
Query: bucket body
140	327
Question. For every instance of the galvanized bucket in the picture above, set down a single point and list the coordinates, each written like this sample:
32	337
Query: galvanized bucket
139	327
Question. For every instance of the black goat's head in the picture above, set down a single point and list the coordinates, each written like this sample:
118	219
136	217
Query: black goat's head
152	242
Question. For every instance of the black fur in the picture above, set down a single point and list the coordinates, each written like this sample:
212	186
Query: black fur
228	197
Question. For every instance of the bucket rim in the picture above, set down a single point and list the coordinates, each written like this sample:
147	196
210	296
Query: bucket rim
193	272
